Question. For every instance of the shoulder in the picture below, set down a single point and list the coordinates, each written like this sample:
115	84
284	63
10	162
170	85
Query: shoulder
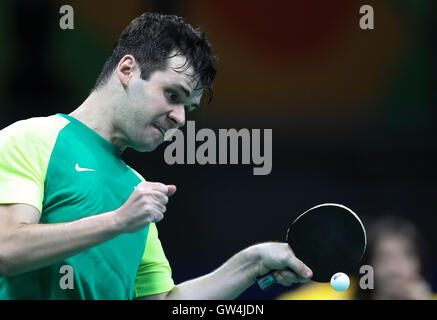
32	130
26	148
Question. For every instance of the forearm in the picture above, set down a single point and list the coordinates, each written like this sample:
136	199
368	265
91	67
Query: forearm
33	246
227	282
241	271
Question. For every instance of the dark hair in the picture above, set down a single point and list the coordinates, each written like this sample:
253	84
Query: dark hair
152	37
394	225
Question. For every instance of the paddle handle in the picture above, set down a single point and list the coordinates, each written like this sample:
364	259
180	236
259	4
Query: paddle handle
267	281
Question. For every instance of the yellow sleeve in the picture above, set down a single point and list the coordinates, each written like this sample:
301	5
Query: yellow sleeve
25	149
154	274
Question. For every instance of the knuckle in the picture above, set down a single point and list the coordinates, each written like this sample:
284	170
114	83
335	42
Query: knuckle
158	217
142	184
152	216
148	207
161	197
144	192
278	276
284	258
158	185
289	249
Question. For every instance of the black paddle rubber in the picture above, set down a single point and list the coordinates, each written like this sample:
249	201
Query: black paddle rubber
328	238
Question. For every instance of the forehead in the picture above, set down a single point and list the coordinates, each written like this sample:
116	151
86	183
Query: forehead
394	243
178	73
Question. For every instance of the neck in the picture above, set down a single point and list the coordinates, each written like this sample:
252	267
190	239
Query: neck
97	112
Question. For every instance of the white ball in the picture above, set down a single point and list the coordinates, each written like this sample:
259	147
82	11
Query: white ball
340	281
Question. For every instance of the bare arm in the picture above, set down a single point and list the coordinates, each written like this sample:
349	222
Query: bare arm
240	272
27	245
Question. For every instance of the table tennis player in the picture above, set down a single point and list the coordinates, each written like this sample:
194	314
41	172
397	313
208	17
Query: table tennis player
68	199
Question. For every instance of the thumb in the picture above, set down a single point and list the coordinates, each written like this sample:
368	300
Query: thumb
171	190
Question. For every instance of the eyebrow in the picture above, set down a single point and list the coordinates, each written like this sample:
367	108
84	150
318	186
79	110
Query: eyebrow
184	90
187	94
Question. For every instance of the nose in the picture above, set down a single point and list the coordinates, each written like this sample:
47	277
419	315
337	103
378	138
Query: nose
177	114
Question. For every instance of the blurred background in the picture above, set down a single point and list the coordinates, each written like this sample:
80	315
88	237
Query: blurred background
352	111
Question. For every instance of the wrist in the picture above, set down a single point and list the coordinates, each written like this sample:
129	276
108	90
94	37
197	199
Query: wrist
258	254
254	256
115	227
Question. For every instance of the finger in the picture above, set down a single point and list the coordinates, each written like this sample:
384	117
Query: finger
160	207
159	196
171	190
302	280
278	277
157	186
299	267
157	216
286	277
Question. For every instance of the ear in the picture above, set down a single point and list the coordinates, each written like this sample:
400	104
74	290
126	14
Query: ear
125	69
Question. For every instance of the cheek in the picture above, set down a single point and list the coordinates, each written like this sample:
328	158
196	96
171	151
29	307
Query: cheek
396	265
138	97
156	103
146	104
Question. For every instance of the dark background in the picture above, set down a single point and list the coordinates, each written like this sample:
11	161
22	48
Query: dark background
352	111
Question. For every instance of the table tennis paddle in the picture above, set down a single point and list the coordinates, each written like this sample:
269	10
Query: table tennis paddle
328	238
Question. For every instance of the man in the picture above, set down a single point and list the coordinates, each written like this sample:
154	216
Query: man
67	198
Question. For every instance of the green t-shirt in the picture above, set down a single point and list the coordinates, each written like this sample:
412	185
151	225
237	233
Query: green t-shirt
67	171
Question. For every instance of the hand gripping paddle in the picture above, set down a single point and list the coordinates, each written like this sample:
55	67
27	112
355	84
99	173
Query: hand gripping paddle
328	238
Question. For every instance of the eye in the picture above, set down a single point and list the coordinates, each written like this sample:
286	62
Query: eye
172	96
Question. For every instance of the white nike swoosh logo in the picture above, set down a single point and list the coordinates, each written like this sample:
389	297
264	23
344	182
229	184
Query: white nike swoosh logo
82	169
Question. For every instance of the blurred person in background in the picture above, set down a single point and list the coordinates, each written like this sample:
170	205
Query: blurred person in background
399	258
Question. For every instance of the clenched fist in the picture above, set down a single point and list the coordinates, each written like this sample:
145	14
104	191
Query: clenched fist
145	205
